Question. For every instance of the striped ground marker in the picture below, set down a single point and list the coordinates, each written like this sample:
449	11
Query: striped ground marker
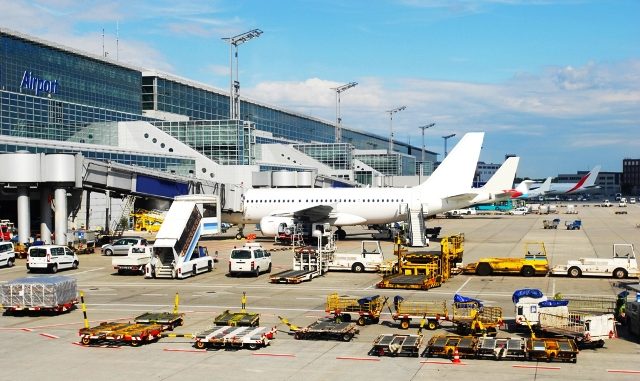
441	362
537	367
627	371
50	336
185	350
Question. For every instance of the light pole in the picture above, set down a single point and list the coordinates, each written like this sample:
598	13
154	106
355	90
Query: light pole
338	90
391	112
445	143
234	87
423	147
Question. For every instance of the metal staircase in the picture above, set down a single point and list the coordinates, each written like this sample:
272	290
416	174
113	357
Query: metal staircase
416	227
116	226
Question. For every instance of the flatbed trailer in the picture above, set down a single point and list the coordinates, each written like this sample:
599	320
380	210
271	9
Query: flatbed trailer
410	282
293	276
552	349
168	320
250	337
396	345
327	329
134	334
446	345
502	348
432	311
367	309
237	319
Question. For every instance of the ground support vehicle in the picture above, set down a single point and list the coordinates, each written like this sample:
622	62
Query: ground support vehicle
251	258
237	319
176	253
396	345
45	294
250	337
135	262
7	254
147	220
586	329
134	334
502	348
534	263
81	241
470	316
433	312
51	258
446	345
552	349
367	309
323	329
632	318
168	320
573	225
530	302
551	224
623	264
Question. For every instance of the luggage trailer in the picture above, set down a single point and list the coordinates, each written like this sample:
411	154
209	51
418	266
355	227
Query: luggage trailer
326	329
249	337
237	319
134	334
397	345
368	309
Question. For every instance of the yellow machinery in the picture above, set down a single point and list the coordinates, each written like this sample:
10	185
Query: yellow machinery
147	220
533	263
368	309
474	318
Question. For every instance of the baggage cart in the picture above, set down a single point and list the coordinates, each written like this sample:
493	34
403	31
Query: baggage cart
551	224
367	309
446	345
432	311
168	320
474	318
118	333
237	319
327	329
396	345
502	348
552	349
249	337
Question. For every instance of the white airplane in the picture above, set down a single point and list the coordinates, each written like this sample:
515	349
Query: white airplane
525	189
587	182
449	187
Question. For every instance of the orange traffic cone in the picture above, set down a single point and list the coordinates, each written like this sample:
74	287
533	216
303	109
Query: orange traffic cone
456	357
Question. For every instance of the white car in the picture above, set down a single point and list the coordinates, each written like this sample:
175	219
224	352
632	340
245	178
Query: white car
7	255
249	259
520	211
51	258
122	245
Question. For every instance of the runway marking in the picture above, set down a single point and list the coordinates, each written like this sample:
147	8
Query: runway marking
358	358
154	294
86	271
65	324
50	336
274	354
16	329
185	350
442	362
536	367
628	371
464	284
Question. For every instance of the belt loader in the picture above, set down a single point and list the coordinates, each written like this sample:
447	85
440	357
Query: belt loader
367	309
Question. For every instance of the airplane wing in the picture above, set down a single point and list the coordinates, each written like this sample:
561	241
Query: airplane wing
313	213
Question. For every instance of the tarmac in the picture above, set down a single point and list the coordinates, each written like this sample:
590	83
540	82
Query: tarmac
46	346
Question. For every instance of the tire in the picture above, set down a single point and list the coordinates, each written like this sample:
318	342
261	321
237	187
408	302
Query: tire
85	340
253	346
239	236
619	273
362	321
209	266
108	252
404	324
357	267
195	270
375	320
432	325
11	262
269	268
54	268
527	271
346	318
341	234
483	269
574	272
298	335
75	265
257	273
135	343
346	337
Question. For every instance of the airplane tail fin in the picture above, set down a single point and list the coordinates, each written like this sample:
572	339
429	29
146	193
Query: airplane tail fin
502	180
587	181
455	174
546	186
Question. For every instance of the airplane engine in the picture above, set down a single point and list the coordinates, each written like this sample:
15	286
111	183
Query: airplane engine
269	225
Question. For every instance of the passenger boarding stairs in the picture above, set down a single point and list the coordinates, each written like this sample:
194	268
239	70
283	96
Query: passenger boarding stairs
416	227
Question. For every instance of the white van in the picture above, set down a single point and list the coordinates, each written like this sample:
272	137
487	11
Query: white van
7	255
250	258
51	258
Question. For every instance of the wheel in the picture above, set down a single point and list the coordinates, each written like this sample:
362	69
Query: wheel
574	272
85	340
195	270
239	236
483	269
619	273
269	268
257	273
135	343
346	318
253	346
357	267
75	265
108	252
54	268
298	336
375	320
362	320
404	324
209	266
341	234
527	271
431	325
11	262
346	337
600	344
120	271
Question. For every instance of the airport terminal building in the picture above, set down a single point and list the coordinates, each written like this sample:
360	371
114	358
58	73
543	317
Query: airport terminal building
56	99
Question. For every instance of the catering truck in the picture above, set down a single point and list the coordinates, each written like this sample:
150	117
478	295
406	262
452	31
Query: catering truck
176	253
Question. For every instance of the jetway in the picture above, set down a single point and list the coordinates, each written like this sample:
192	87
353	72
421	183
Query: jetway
58	181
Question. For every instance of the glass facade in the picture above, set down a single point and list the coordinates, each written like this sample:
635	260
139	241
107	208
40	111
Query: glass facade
227	142
336	156
389	164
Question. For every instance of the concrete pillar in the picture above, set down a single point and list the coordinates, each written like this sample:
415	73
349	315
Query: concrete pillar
87	214
24	214
61	216
107	221
45	215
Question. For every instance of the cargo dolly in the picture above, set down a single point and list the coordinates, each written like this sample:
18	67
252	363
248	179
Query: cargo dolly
250	337
168	320
367	309
446	346
396	345
237	319
323	329
292	276
551	349
502	348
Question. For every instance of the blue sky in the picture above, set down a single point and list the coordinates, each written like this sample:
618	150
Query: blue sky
556	82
